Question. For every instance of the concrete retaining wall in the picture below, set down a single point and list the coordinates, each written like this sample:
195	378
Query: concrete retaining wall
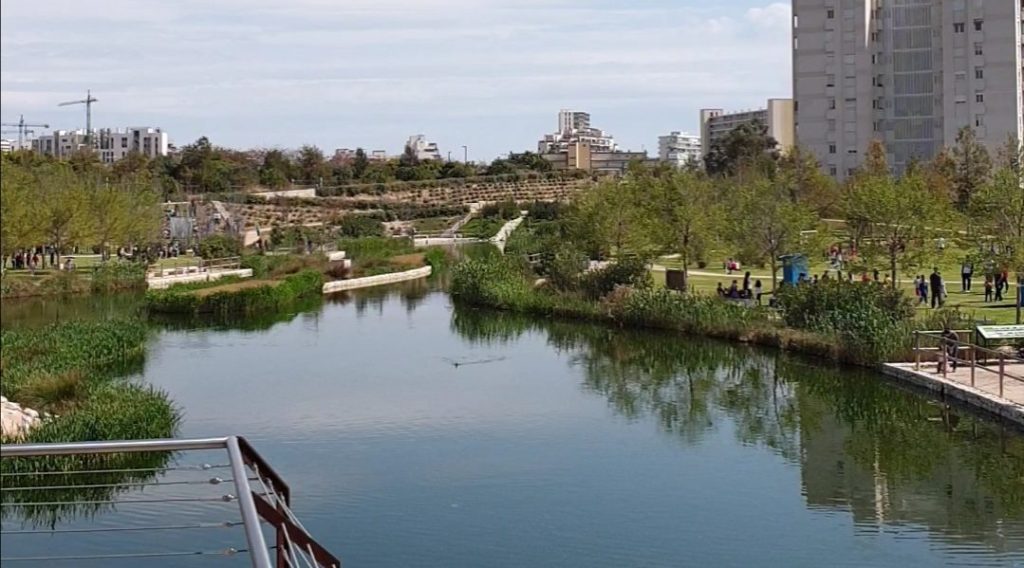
161	282
952	389
379	280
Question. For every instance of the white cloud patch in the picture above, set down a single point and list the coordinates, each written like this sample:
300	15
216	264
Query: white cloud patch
490	74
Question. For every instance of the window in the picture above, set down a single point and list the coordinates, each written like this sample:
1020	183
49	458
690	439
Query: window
830	14
831	148
831	104
832	171
979	120
830	81
977	25
979	73
979	97
978	49
958	28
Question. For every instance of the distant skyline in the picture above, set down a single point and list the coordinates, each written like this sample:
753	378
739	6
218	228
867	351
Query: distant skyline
490	74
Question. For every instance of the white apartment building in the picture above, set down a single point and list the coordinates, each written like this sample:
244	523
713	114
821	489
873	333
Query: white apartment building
7	145
60	143
112	145
777	116
910	73
679	149
574	128
424	150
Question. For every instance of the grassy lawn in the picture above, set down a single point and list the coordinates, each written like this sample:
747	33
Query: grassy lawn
482	228
433	224
971	303
235	286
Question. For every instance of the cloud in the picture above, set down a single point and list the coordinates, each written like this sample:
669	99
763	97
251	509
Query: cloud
362	72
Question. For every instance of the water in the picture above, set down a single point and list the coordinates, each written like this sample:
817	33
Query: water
417	434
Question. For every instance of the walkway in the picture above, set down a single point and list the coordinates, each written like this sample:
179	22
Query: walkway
985	392
503	233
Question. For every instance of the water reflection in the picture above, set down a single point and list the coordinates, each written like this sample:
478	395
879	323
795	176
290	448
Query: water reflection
863	445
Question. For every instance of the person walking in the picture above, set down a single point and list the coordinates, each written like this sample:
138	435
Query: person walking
935	283
966	273
922	290
746	285
951	349
988	289
758	290
999	287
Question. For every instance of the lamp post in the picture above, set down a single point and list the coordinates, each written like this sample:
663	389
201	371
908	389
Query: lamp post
465	154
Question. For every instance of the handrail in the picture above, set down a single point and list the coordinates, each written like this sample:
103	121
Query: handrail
254	507
947	345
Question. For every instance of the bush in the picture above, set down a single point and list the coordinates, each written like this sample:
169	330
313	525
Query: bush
869	319
233	299
356	226
115	275
219	246
375	247
507	210
631	272
545	210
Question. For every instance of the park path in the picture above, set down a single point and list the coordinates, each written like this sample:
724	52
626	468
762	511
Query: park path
501	237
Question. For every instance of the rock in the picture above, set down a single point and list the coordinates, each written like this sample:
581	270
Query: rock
15	422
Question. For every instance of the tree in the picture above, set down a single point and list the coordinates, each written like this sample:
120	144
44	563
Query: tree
62	207
683	208
312	165
939	174
607	219
747	145
972	166
360	163
899	220
998	212
123	212
132	163
277	169
19	223
801	174
765	224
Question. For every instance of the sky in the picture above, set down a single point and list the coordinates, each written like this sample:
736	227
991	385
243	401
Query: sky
488	74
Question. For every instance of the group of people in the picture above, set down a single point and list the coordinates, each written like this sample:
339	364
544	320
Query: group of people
996	283
747	292
36	259
934	287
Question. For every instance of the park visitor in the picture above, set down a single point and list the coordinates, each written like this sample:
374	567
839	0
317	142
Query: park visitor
988	288
935	282
966	272
758	289
950	347
922	290
720	291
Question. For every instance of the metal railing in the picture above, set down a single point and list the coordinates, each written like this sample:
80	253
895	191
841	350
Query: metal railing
964	353
293	545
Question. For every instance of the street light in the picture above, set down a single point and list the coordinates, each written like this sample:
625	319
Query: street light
465	154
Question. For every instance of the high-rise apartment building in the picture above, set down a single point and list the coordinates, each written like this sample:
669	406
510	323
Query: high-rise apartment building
574	128
60	143
679	149
910	73
777	117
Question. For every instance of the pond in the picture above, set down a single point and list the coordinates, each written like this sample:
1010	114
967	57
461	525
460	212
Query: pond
415	433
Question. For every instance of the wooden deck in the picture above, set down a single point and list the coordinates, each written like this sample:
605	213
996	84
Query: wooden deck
985	392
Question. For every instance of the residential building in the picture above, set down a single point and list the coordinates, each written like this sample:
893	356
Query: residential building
424	150
7	145
378	156
777	116
343	155
583	156
910	73
113	145
679	149
574	127
60	143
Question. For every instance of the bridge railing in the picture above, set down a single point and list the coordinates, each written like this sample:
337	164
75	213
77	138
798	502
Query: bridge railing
967	354
262	496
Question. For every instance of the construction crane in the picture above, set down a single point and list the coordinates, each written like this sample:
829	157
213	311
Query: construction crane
23	128
87	101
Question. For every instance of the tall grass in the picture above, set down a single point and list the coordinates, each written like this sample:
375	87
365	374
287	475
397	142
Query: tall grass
866	330
234	299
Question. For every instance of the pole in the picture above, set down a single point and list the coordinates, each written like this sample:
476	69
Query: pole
465	154
88	118
1020	295
1002	371
917	351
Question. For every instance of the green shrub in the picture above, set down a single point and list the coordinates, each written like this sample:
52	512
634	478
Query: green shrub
356	226
237	300
115	275
375	247
219	246
505	210
631	272
869	319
